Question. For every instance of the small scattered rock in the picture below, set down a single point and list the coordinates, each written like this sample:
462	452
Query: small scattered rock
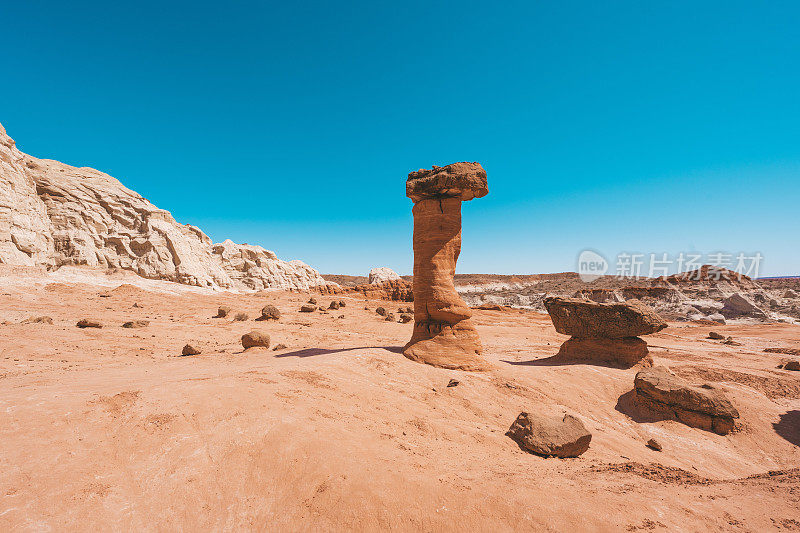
792	365
654	445
790	294
334	305
312	301
190	350
136	324
453	383
716	336
381	311
342	303
341	316
389	317
269	312
89	323
38	320
787	351
717	317
255	339
240	317
308	308
729	341
279	347
405	318
222	312
560	436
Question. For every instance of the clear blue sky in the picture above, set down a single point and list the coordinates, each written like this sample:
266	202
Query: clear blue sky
617	126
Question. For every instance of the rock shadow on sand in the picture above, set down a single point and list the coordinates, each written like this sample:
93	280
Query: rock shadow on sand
312	352
788	426
560	359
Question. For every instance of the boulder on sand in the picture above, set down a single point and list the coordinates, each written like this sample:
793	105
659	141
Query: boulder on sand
223	311
308	308
269	312
702	406
255	339
559	436
190	350
88	323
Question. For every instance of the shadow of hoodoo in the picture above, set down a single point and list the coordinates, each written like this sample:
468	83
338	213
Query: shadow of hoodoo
788	426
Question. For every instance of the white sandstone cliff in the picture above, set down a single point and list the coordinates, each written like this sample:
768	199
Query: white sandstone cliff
54	214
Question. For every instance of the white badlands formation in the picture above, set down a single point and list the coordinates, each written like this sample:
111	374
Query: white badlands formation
381	275
52	214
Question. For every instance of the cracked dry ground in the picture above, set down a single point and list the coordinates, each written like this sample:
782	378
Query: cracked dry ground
111	429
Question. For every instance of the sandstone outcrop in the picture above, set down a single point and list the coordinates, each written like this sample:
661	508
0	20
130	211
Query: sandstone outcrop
380	275
702	406
606	333
559	436
443	333
52	214
625	352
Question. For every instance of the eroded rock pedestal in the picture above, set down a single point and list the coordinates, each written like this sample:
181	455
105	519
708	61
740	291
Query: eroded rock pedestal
604	333
443	333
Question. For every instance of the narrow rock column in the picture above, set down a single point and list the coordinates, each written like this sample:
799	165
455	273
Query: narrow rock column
443	333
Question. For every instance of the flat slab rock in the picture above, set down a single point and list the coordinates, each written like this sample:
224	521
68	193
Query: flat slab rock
559	436
701	406
588	319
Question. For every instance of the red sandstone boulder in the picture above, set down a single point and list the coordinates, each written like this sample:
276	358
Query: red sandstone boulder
702	406
559	436
255	339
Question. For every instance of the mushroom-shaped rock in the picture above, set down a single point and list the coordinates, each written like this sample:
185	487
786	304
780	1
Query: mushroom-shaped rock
443	333
255	339
560	436
702	406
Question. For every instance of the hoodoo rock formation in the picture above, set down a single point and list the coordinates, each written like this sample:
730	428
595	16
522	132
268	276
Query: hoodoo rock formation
443	333
52	214
604	332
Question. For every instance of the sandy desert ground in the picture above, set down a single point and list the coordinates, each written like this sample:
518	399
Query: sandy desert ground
111	429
